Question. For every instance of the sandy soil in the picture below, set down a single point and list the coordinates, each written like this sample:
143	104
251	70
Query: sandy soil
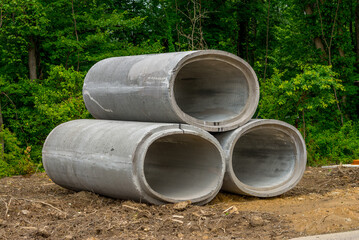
33	207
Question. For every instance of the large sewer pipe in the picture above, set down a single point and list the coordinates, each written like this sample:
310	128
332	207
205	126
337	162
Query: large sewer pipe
214	90
264	158
145	162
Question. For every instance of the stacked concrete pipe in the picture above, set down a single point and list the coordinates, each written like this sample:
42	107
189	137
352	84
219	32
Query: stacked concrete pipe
129	154
214	90
148	162
264	158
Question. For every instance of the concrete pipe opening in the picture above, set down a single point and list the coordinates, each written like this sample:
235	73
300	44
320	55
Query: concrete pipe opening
183	167
264	157
211	90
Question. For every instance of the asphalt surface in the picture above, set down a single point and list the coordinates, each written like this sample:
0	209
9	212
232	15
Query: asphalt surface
352	235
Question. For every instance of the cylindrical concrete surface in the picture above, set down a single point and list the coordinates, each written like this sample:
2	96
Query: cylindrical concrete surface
264	158
214	90
145	162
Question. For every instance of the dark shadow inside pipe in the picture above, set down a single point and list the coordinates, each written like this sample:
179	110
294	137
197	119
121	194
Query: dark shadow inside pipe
264	157
183	166
211	90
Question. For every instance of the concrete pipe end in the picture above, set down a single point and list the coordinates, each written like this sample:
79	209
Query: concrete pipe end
147	162
214	90
180	166
265	158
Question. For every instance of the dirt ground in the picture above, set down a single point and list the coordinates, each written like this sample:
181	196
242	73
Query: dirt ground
33	207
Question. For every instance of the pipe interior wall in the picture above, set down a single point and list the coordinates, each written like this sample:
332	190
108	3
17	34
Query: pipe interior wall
264	158
182	166
211	90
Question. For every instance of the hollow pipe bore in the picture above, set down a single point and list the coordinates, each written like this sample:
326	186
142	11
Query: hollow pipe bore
148	162
214	90
264	158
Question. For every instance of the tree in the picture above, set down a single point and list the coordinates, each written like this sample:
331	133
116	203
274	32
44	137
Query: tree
49	45
23	24
42	71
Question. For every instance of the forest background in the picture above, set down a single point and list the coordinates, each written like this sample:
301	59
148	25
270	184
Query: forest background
305	54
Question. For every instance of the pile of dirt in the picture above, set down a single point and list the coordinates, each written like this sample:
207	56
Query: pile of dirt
320	180
324	201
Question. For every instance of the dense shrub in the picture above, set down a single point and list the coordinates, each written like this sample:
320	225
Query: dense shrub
333	146
14	159
309	101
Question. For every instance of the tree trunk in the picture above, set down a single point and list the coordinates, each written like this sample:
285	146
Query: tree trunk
267	43
304	132
1	17
308	10
32	59
340	33
242	37
247	47
319	44
242	31
254	40
357	29
77	36
317	40
341	52
351	23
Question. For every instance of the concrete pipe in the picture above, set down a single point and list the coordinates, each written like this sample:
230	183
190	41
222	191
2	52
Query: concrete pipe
145	162
264	158
214	90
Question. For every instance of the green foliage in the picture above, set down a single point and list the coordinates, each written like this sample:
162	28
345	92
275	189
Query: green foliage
23	22
333	146
43	106
308	101
309	92
59	97
311	62
13	159
101	32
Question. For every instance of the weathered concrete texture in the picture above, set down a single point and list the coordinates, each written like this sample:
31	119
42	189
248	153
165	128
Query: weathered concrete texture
214	90
264	158
148	162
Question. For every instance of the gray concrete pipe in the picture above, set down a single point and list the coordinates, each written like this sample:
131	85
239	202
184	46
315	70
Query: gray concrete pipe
264	158
145	162
214	90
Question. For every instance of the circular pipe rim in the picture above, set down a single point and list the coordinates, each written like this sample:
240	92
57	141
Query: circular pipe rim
160	132
294	176
253	90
